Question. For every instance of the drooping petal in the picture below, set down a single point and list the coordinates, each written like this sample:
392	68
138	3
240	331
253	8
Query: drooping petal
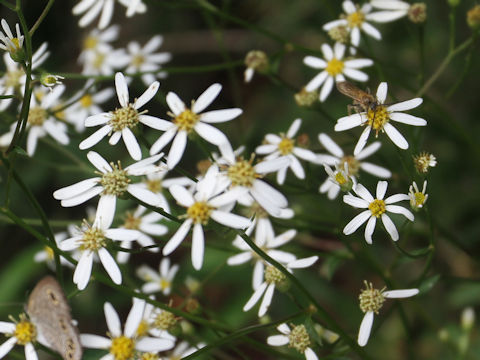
390	227
110	266
278	340
177	238
267	300
356	222
365	328
395	136
390	294
255	297
198	246
113	321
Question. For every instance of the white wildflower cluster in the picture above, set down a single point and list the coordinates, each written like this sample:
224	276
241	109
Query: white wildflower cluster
141	207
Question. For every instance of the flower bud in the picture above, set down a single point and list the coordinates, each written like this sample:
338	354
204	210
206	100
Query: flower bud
417	13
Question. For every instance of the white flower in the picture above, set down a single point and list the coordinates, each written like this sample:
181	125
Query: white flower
50	80
122	345
91	241
143	59
378	118
284	145
208	201
156	322
148	225
338	179
158	281
10	43
47	255
92	9
86	105
22	333
113	182
187	120
41	122
394	9
266	240
120	122
355	163
98	41
417	198
104	62
376	209
245	176
273	278
371	300
423	161
13	80
297	337
334	69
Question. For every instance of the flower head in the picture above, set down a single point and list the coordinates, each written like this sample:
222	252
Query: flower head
158	281
296	337
334	69
22	332
376	208
423	161
371	300
379	117
104	8
417	198
255	60
14	45
187	120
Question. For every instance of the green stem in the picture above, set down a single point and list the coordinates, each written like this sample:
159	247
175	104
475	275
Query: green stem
41	17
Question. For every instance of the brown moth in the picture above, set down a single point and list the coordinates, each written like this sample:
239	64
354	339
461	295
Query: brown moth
49	311
362	100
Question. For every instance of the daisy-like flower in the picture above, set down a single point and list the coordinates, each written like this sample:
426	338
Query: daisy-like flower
156	322
376	209
86	105
148	225
338	179
296	337
98	41
23	333
13	79
284	145
144	59
393	9
48	256
274	278
14	45
188	120
90	242
334	69
50	80
112	183
371	301
123	345
378	118
158	281
338	158
105	62
121	122
266	240
207	202
424	161
92	9
40	121
242	174
256	60
417	198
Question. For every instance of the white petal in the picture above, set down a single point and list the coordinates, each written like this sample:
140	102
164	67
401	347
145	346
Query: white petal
317	81
355	74
95	341
83	270
96	120
390	227
255	297
273	165
267	300
302	263
278	340
147	95
400	293
273	195
258	271
30	353
174	103
239	258
396	198
355	201
330	145
368	150
177	149
206	98
134	318
293	129
315	62
231	220
400	210
348	122
395	136
327	52
407	119
99	162
217	116
376	170
131	144
326	89
121	234
113	321
122	89
181	195
372	31
110	266
386	16
382	92
198	246
405	105
95	137
145	195
361	191
210	133
150	344
7	346
365	328
358	63
163	140
356	222
309	354
381	189
369	229
77	189
362	141
155	123
105	211
177	238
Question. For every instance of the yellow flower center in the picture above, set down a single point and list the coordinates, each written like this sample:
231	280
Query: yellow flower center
242	173
335	67
132	222
37	116
123	118
186	120
90	43
356	19
13	77
299	339
25	331
371	299
165	284
377	117
50	253
273	275
164	320
98	60
122	348
419	199
86	101
16	42
285	146
199	212
340	178
93	239
377	207
353	164
137	60
142	328
154	185
115	182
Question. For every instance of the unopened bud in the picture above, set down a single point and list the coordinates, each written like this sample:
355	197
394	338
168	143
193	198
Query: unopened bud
417	13
306	98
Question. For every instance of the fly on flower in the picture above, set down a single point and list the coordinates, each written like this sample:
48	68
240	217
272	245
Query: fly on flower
362	100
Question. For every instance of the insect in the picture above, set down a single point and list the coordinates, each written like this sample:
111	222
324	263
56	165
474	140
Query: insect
362	100
49	311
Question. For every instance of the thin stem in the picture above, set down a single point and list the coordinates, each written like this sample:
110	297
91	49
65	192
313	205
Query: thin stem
41	17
